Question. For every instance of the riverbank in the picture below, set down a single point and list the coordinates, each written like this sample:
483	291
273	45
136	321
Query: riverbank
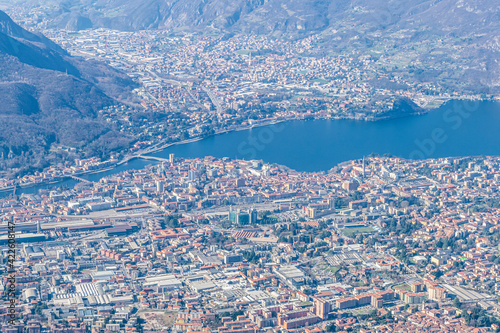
56	180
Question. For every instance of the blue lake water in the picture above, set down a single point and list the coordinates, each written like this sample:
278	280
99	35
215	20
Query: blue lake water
135	164
456	129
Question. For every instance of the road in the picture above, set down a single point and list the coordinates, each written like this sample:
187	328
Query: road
258	206
214	99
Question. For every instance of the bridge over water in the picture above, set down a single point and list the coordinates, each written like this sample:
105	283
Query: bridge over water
160	159
80	179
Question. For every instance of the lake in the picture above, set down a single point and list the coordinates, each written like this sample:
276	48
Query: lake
458	128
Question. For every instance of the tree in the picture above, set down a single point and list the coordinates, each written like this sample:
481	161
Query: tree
235	314
331	328
324	234
172	221
39	308
437	274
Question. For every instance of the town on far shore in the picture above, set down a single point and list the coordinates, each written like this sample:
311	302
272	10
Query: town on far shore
195	85
379	244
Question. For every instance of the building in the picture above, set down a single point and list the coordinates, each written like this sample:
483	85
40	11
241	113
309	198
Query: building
377	301
350	186
243	217
234	258
437	293
417	287
300	322
253	216
438	260
345	303
322	308
291	275
99	205
23	238
296	318
120	230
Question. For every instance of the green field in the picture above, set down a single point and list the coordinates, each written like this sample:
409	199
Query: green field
332	269
363	230
245	52
403	286
305	304
321	81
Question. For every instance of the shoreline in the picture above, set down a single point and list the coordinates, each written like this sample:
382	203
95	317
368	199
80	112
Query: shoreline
60	180
147	154
140	156
195	139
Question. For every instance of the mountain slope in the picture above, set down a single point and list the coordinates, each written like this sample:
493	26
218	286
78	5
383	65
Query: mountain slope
470	27
268	16
10	28
49	97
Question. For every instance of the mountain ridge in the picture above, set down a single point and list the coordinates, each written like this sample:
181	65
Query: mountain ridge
50	98
268	16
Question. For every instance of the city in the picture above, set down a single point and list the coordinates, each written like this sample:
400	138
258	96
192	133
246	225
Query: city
249	166
195	245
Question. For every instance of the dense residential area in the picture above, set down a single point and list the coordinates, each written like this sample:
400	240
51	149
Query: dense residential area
202	245
330	204
167	86
241	77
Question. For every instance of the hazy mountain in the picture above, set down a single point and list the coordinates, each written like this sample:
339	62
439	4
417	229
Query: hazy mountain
470	27
9	28
50	97
268	16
